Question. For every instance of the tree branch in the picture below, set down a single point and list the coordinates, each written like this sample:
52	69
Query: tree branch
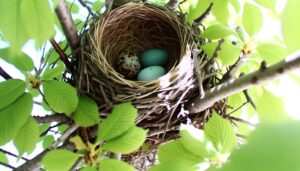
65	18
242	83
53	118
4	74
12	154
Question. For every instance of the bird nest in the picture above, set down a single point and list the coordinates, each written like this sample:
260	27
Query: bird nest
134	28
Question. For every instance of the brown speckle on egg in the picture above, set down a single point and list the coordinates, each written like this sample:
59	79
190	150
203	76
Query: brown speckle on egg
128	65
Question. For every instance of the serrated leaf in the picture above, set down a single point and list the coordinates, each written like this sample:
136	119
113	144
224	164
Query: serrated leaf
271	147
129	142
174	152
114	165
10	90
3	158
270	108
98	5
39	20
86	113
50	73
47	141
221	133
12	24
20	60
271	4
59	160
27	137
217	32
79	144
291	26
118	122
195	141
271	53
61	96
252	19
220	10
13	117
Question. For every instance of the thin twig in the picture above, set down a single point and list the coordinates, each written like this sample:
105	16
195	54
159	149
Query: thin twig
7	165
4	74
12	154
200	19
53	118
62	55
64	136
87	7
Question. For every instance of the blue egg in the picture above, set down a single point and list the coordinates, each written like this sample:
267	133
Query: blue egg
154	57
151	73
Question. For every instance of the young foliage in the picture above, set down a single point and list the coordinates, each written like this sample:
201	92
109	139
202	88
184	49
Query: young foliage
55	72
270	147
174	152
21	61
252	18
10	90
3	158
59	160
128	142
195	141
217	32
14	116
271	53
197	8
86	113
118	122
291	26
271	4
60	96
221	133
47	141
220	10
27	137
114	165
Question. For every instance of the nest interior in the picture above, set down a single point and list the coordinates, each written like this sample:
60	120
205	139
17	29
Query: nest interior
134	28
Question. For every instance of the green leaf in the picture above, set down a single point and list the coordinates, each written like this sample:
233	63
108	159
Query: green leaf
114	165
291	26
228	53
27	137
59	160
47	141
13	117
196	9
195	141
61	96
217	32
252	19
174	152
3	158
10	90
270	147
98	5
51	73
271	53
270	108
220	10
20	60
118	122
221	133
38	20
12	24
73	7
128	142
236	5
88	169
178	166
86	113
271	4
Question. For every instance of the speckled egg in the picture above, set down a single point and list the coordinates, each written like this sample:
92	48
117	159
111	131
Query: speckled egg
128	65
151	73
154	57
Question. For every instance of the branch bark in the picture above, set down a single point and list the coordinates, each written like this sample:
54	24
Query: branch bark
67	23
233	86
53	118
